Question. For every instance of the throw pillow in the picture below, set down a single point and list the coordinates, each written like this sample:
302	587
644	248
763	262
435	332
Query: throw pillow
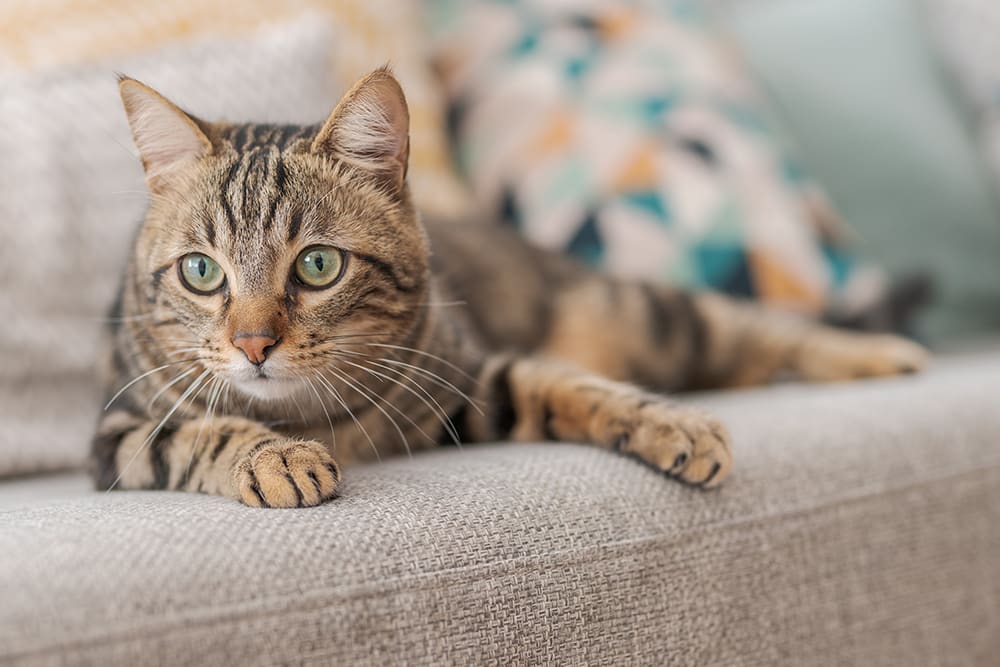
629	134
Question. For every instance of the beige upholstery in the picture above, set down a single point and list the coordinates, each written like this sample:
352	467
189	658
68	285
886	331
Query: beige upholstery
861	526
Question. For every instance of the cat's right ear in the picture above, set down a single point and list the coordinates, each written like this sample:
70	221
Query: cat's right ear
168	139
370	129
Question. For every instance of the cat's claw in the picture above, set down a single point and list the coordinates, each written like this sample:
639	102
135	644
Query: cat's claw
291	473
682	442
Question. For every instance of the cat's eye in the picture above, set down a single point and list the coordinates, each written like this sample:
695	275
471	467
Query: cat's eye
200	273
319	266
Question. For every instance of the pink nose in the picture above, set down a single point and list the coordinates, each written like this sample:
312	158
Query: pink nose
254	346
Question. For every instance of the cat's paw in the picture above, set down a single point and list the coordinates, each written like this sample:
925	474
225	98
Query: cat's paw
848	356
289	473
683	442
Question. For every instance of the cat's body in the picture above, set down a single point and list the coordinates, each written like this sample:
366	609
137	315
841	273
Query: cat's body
253	380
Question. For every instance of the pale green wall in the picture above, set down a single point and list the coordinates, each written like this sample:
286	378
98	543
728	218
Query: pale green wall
862	96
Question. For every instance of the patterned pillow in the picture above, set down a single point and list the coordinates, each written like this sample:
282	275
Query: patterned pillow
71	188
629	134
967	33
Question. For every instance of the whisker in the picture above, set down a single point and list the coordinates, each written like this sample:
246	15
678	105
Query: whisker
167	386
343	378
159	427
159	340
295	402
144	375
322	404
389	403
336	394
214	389
369	334
442	417
422	353
184	350
436	379
249	405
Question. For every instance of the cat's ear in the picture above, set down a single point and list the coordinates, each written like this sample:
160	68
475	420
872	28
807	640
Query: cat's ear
167	138
370	128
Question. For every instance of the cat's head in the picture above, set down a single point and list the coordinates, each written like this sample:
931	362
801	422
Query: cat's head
266	249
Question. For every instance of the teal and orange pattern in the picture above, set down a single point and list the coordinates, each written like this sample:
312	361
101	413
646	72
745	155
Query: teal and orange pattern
629	134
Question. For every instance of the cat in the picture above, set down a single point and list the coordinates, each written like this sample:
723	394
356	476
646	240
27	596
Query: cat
285	312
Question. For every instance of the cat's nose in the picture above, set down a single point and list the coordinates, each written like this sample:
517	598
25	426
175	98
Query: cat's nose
255	345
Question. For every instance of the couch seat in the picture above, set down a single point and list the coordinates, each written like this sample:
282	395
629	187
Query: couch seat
861	526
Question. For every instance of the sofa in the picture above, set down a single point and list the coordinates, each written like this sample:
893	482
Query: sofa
861	524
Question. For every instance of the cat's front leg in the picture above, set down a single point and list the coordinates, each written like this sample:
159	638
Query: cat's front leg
233	457
539	399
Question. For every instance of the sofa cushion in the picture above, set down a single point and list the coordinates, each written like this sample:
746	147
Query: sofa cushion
629	134
861	526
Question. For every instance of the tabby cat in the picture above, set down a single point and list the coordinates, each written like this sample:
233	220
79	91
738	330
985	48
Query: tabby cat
286	312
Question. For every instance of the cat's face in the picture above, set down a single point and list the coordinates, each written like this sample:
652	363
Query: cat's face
273	254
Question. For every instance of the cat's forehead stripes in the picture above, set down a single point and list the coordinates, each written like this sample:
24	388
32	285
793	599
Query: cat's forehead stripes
255	216
263	185
254	185
294	224
286	138
251	188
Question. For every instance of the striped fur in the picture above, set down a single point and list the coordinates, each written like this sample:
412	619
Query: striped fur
436	332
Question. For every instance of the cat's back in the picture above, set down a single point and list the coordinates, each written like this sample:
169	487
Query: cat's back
505	285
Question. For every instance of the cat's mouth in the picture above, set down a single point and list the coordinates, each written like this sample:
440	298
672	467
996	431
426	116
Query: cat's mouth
265	381
266	387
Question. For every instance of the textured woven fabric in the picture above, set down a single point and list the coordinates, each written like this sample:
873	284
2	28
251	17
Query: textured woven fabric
861	526
629	134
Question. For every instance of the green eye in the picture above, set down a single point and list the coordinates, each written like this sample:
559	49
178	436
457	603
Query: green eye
200	273
319	266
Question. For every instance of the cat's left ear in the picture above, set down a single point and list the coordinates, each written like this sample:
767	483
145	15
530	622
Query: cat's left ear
370	128
168	139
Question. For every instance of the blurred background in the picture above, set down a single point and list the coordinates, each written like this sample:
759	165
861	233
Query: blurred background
837	157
